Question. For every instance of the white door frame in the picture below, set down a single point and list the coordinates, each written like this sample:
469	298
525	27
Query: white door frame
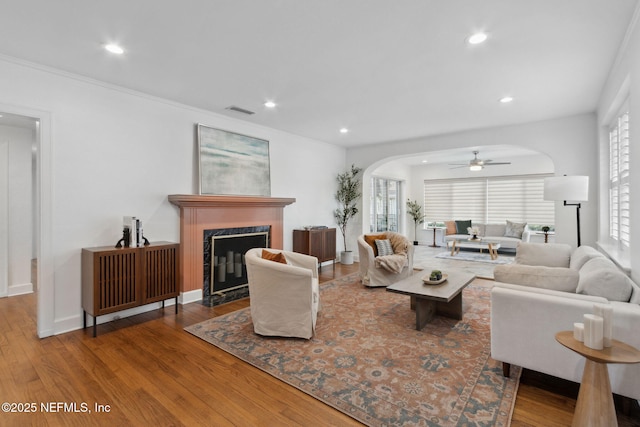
44	229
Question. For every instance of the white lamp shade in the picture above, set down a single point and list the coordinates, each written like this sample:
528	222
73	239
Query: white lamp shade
572	188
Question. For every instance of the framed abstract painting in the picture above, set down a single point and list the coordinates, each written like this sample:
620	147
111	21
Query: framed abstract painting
233	164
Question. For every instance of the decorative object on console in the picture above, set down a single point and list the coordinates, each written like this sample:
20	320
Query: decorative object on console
473	232
347	195
414	210
233	164
565	188
132	234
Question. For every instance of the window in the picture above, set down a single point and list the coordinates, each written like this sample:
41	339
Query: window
489	200
619	178
385	204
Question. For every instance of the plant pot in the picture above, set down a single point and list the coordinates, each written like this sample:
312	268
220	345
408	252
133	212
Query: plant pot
346	257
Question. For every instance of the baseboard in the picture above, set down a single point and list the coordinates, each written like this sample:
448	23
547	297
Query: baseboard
190	296
25	288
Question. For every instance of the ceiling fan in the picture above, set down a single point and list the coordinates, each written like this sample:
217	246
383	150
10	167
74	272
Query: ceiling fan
477	164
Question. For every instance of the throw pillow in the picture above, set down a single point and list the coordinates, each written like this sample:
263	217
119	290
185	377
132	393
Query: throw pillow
581	255
384	247
371	240
274	256
515	229
461	227
600	277
451	227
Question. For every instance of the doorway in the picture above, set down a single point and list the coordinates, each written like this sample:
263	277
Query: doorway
35	165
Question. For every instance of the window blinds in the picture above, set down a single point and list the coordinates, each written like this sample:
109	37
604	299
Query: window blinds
619	201
489	200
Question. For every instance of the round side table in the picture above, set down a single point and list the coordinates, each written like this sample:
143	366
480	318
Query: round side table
595	402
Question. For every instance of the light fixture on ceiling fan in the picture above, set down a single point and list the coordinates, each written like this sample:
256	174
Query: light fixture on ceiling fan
477	164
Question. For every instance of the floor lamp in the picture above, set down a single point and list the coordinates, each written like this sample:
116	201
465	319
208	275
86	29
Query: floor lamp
574	188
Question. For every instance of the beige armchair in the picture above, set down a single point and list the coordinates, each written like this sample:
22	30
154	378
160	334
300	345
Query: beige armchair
374	271
285	298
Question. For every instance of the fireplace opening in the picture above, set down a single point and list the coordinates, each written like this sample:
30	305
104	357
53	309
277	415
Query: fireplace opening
225	271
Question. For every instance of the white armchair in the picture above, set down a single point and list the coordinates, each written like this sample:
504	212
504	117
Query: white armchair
377	276
285	298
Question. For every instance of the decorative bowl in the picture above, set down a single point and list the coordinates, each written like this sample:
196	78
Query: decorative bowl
427	281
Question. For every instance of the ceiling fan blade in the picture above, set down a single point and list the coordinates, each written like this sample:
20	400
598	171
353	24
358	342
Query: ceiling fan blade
497	163
458	167
458	164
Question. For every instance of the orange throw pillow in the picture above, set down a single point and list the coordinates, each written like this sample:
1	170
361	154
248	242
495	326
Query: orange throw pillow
451	227
371	240
274	256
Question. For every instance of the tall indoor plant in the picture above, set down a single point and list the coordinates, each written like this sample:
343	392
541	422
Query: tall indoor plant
347	195
414	210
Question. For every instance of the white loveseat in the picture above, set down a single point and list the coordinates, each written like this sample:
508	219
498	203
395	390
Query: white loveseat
545	291
494	232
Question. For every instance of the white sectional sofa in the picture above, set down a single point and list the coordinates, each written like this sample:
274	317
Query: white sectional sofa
545	291
495	232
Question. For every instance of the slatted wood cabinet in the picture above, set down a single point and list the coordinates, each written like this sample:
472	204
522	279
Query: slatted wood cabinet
115	279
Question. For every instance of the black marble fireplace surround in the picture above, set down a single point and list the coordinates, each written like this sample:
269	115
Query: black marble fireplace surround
241	239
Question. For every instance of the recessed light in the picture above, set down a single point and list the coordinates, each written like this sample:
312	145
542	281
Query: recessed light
477	38
506	99
270	104
344	130
425	161
114	48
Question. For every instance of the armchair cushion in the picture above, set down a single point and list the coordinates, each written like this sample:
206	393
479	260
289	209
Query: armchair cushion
274	256
384	247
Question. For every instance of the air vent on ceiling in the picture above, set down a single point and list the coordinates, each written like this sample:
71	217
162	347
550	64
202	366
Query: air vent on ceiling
239	110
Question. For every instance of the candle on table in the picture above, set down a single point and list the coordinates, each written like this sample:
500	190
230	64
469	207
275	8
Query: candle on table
593	329
606	312
578	331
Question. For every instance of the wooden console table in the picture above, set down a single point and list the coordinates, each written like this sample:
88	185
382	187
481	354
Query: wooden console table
595	402
317	242
115	279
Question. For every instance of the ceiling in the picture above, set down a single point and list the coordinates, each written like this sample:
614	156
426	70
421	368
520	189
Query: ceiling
385	70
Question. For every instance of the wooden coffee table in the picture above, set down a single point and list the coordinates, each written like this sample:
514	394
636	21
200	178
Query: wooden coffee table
444	299
482	244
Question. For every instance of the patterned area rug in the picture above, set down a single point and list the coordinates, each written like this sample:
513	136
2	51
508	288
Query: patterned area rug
368	361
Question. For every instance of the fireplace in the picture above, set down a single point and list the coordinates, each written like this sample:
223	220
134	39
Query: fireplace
212	212
225	272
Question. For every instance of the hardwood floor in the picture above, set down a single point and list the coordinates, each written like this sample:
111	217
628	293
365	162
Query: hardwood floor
145	370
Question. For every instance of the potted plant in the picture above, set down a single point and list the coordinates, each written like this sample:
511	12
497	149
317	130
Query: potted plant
414	210
347	195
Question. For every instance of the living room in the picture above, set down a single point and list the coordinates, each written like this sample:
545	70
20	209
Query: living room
112	149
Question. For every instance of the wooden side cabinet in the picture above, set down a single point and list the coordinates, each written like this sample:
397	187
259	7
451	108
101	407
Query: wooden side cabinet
318	242
115	279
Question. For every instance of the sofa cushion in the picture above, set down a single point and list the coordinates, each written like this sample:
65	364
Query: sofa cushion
555	278
494	230
514	229
581	255
451	227
384	247
461	226
600	277
635	293
547	254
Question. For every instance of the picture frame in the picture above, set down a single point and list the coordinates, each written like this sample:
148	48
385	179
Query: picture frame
231	163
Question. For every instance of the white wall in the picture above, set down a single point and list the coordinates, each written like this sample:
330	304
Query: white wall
116	152
570	143
20	212
4	218
622	83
